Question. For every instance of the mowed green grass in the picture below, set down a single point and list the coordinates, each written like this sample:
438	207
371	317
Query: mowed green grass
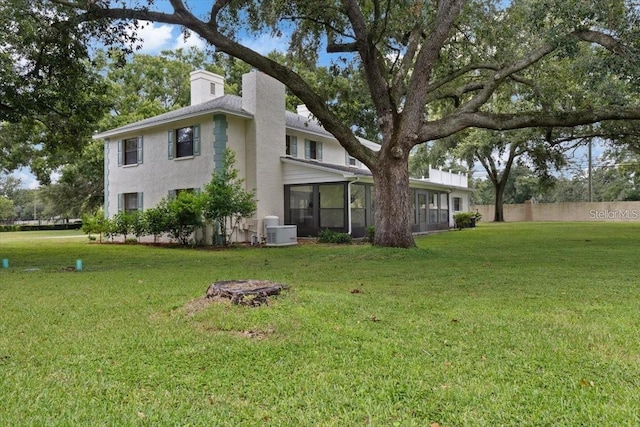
504	324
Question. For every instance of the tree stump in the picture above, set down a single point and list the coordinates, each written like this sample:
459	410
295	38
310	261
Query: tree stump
252	293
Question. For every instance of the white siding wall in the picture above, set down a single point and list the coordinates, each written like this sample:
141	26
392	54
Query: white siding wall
298	174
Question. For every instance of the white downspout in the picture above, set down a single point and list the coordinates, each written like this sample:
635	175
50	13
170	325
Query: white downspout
349	201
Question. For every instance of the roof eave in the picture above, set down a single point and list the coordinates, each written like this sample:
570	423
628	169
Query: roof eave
123	130
311	165
438	185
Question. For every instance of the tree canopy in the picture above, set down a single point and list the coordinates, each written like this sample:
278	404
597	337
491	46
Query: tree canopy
49	94
431	68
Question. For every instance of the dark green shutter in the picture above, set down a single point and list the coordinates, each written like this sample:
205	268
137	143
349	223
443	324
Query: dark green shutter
170	144
196	140
139	149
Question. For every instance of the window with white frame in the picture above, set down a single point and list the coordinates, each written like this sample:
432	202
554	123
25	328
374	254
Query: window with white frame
292	146
130	151
312	150
184	142
350	160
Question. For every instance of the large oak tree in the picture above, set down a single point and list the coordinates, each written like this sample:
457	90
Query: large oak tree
432	68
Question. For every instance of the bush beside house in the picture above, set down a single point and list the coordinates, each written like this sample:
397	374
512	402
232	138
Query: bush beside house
466	219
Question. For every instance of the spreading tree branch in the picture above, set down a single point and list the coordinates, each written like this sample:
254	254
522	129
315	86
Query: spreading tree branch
605	40
374	70
448	11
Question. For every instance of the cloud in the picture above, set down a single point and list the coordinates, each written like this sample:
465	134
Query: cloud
266	43
193	40
154	37
157	37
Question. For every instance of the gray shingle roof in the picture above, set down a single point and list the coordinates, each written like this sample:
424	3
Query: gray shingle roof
296	121
227	103
231	104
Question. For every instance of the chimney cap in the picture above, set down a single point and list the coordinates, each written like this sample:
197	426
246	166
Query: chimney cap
205	86
304	111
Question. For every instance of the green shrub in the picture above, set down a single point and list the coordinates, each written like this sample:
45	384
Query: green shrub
158	219
225	202
139	225
122	224
466	219
371	233
95	224
330	236
184	216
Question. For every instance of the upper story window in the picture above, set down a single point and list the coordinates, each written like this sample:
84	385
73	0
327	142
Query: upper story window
130	151
184	142
351	161
292	146
312	150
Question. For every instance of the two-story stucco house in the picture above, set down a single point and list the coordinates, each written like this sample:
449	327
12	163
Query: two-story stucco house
298	170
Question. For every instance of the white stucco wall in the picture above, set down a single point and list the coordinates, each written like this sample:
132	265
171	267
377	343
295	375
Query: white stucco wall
158	174
236	133
464	204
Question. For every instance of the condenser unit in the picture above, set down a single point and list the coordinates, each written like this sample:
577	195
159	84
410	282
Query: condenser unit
282	235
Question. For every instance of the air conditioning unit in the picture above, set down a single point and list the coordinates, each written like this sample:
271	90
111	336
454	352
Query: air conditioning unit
282	235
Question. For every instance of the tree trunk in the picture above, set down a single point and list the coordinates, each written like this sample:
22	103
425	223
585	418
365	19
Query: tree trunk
392	216
499	204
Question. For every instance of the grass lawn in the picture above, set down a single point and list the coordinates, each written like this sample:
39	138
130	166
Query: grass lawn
505	324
